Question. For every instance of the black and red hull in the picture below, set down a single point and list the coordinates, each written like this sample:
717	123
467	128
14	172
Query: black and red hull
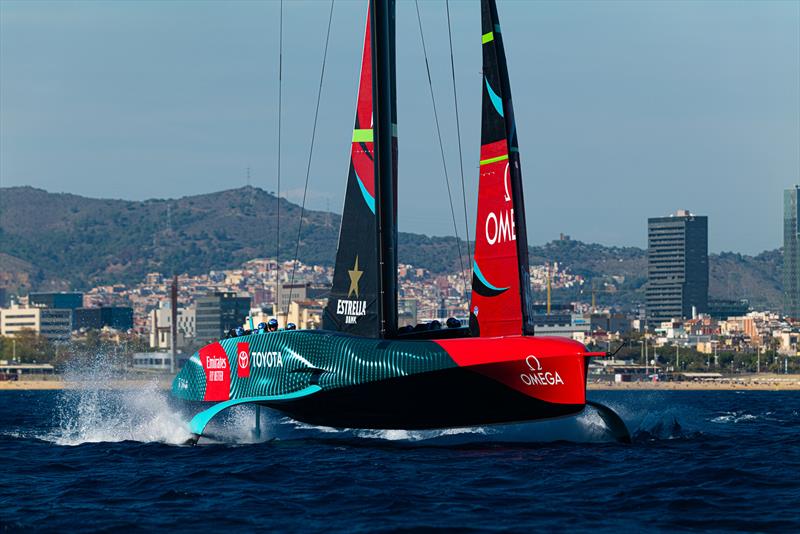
333	379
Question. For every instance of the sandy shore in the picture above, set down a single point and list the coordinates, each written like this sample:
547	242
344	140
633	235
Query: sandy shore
753	383
723	385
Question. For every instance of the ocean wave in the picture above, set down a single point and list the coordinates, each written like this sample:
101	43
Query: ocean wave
734	417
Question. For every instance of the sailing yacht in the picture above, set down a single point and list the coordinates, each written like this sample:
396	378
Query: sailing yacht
360	371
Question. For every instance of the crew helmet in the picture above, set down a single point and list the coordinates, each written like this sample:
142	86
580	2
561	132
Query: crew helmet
291	326
452	322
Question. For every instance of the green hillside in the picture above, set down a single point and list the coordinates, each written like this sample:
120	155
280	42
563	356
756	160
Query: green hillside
58	240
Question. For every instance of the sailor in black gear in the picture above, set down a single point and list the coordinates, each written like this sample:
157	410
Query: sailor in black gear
452	322
291	326
272	325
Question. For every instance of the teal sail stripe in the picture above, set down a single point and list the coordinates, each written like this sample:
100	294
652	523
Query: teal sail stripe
483	279
369	199
201	420
497	102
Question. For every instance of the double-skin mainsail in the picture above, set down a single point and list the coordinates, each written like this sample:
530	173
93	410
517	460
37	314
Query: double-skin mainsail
363	299
501	299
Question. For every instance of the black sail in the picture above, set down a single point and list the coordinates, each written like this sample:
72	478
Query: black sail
364	276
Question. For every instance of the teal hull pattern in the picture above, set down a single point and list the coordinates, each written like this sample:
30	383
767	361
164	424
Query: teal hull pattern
287	361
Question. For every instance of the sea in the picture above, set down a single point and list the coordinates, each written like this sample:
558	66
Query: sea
93	459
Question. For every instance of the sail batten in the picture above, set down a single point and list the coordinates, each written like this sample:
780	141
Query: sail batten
501	301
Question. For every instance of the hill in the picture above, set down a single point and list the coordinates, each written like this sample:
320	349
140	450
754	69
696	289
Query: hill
58	240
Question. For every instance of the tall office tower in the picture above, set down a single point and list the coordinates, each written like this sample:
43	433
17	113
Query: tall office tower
677	266
217	313
791	253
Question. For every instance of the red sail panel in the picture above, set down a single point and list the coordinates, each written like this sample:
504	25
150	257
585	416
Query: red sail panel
501	299
496	304
361	152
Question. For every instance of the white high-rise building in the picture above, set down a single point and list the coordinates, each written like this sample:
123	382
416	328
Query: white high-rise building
54	324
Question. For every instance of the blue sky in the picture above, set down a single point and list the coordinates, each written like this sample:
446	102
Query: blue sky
625	109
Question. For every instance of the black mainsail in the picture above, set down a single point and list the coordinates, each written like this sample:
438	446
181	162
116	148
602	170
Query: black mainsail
363	299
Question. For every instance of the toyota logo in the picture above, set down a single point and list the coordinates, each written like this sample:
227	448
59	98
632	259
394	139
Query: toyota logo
243	359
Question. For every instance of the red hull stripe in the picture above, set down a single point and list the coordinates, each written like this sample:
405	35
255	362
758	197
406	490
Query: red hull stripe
549	369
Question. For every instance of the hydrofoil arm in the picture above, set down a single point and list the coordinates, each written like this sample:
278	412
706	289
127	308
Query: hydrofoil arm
200	421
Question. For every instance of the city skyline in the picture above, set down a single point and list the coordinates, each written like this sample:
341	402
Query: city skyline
625	111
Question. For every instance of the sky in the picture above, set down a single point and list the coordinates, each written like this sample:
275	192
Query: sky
625	110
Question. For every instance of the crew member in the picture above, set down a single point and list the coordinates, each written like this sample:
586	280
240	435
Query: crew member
262	327
291	326
272	325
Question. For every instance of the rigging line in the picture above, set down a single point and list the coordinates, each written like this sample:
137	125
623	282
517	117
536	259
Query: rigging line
458	131
441	145
310	154
280	114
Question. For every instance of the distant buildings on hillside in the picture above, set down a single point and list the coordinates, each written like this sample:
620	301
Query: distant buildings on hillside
56	315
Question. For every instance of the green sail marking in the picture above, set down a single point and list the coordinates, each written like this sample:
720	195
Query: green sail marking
362	136
492	160
487	37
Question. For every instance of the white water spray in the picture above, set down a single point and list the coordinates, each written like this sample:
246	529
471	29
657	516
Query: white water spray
100	405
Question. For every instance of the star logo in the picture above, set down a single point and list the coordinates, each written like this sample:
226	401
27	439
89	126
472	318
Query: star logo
355	276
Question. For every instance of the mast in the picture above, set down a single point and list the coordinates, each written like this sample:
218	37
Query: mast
383	106
515	172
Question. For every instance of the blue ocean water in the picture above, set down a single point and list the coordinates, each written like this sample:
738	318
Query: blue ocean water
106	460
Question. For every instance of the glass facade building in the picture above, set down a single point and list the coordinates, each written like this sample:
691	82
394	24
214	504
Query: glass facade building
791	254
677	267
116	317
217	313
63	301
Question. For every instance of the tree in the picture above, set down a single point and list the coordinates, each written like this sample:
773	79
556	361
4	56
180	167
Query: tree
28	346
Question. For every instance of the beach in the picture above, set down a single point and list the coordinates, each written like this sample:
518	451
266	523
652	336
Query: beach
761	382
751	383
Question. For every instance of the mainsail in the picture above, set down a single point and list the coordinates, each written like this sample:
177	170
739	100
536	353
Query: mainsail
361	300
501	300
